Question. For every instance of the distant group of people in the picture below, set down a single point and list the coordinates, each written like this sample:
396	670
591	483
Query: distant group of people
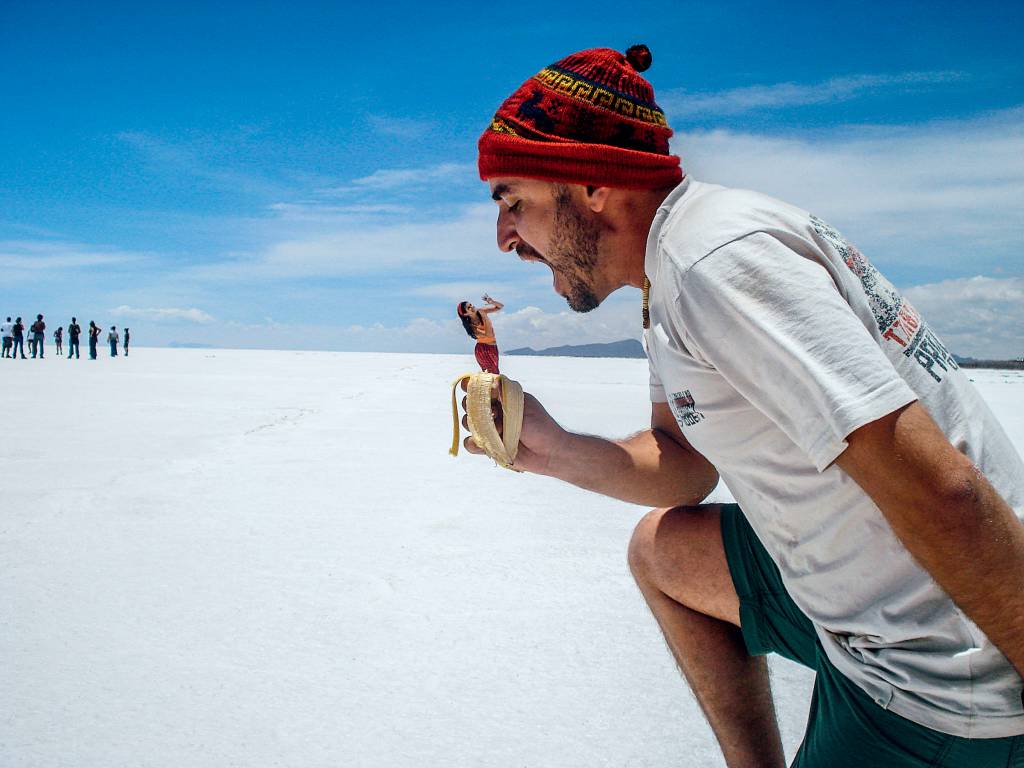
14	336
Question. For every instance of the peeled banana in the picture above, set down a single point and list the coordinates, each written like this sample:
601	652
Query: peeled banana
502	448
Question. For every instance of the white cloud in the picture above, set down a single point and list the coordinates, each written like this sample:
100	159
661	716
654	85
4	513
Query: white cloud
306	212
978	316
401	127
37	255
680	104
398	180
364	248
400	177
419	335
163	314
527	327
939	195
197	157
533	327
467	290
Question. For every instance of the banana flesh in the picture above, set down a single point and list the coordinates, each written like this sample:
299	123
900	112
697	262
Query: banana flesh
502	448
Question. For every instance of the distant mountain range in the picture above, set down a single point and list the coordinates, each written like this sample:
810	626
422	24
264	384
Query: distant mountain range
624	348
1006	365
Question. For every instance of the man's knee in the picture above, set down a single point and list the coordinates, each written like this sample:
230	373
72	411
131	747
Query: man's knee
641	553
679	552
669	538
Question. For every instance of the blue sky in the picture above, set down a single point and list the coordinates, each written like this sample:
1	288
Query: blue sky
302	175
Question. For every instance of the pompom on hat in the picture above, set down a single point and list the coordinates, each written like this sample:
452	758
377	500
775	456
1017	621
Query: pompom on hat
587	119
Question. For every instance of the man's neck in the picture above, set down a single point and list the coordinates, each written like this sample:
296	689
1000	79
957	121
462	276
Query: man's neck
636	210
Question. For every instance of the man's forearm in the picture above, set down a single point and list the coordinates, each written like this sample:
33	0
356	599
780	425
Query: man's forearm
649	468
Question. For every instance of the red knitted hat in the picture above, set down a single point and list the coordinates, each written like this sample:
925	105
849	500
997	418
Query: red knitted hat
587	119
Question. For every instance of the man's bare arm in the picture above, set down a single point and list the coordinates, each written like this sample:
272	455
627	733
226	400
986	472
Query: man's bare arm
948	516
656	467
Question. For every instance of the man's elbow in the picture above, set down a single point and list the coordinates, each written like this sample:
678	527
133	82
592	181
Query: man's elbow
958	501
961	488
699	487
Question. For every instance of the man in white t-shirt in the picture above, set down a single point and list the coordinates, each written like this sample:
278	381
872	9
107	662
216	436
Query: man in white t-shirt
7	336
878	536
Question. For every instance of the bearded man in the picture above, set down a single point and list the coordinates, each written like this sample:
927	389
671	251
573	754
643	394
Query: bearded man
878	536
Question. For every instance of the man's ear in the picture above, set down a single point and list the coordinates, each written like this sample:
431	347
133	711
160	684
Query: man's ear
597	198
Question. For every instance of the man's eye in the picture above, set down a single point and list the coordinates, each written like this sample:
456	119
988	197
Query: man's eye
516	206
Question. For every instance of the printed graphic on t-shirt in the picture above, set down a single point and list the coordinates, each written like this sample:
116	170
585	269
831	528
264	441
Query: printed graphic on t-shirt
685	409
897	319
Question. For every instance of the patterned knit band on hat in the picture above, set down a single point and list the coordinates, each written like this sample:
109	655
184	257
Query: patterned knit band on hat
587	119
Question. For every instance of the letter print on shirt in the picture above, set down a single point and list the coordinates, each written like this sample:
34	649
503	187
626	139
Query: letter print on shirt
898	321
685	409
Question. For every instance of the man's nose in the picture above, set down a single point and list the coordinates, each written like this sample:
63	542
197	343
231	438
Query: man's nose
508	238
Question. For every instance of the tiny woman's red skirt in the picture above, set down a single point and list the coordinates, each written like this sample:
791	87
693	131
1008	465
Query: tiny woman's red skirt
487	356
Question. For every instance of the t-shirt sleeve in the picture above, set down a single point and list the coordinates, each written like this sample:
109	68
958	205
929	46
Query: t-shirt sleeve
775	326
657	389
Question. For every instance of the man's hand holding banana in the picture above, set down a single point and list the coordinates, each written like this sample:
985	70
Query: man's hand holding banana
494	410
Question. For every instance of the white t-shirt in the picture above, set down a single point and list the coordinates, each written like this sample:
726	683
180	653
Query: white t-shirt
6	329
772	339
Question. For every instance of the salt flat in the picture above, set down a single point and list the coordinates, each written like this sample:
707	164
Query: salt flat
221	558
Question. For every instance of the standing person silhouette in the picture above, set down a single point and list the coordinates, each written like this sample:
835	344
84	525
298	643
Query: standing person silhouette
127	338
58	340
19	339
74	331
478	326
112	339
38	336
7	331
94	338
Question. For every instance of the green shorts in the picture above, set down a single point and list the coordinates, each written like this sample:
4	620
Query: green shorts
845	727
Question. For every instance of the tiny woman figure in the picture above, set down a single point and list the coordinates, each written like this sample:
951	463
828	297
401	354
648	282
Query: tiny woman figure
478	326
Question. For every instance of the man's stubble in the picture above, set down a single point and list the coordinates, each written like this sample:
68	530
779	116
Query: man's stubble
574	248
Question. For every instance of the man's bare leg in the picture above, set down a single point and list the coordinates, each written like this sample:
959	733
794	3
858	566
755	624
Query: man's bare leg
678	560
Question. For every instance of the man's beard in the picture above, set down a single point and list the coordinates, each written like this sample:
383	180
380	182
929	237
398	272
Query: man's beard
574	250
